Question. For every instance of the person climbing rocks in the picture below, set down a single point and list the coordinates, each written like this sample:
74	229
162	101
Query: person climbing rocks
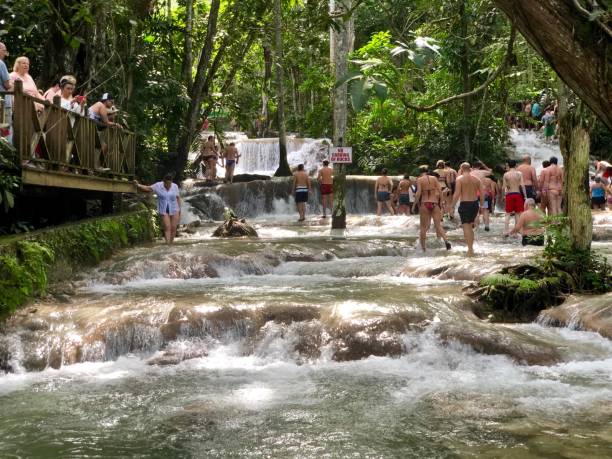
530	178
301	188
514	190
598	194
168	204
382	191
552	186
470	195
528	225
403	190
427	198
325	178
230	158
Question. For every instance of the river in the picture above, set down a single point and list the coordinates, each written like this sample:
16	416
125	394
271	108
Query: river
301	344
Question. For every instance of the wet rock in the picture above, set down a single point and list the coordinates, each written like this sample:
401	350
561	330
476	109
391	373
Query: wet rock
505	341
242	178
287	314
234	227
174	358
62	298
36	324
590	313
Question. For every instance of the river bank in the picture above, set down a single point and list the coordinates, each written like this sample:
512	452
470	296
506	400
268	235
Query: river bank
30	262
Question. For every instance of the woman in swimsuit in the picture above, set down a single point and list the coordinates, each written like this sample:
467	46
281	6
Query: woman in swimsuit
554	186
428	197
168	204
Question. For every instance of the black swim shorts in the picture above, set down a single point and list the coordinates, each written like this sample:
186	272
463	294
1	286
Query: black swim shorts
533	240
468	210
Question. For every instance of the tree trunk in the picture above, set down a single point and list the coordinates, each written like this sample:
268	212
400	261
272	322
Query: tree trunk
264	119
283	166
187	67
577	48
340	46
188	129
574	140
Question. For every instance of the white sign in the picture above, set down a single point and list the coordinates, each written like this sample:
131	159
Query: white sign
342	155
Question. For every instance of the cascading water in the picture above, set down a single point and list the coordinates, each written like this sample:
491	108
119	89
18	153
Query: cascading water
298	344
261	156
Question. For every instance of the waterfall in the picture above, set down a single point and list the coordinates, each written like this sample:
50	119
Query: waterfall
261	156
532	144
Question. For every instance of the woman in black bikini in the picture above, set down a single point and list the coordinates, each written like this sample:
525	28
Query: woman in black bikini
428	197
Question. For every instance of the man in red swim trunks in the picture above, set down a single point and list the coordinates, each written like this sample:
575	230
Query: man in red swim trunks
326	184
514	190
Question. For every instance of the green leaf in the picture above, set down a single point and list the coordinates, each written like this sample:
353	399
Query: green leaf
149	39
354	75
360	94
381	90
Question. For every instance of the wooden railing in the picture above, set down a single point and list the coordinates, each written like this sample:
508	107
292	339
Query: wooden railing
55	139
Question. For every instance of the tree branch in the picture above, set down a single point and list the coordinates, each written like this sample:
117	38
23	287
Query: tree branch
482	87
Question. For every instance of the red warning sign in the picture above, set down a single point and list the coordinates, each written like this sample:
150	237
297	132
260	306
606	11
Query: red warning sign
341	155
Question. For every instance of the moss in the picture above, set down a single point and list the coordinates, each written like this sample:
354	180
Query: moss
27	262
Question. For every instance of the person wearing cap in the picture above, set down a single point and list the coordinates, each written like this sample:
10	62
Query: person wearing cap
99	111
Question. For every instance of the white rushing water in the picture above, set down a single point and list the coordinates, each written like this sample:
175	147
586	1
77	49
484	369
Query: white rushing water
531	143
261	156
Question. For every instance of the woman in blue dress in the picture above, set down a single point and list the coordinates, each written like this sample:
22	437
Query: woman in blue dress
168	204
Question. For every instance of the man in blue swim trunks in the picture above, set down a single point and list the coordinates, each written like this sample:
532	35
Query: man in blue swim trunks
230	156
301	187
382	190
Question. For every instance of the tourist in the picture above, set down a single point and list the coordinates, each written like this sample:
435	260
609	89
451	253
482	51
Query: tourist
403	190
541	194
382	191
530	177
230	158
514	190
300	189
603	169
527	114
67	101
470	195
536	110
168	204
490	192
447	197
552	186
427	198
20	72
5	84
481	170
598	194
325	178
529	225
5	78
548	120
208	154
98	112
53	91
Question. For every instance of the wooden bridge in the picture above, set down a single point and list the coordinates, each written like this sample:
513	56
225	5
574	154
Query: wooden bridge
58	148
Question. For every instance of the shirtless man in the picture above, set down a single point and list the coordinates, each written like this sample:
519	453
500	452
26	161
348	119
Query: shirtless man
470	195
427	197
530	177
326	185
528	225
552	186
403	190
231	157
514	190
382	191
300	189
444	186
490	192
480	170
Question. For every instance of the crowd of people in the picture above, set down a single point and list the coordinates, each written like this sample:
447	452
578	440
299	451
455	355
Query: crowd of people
537	114
103	112
475	191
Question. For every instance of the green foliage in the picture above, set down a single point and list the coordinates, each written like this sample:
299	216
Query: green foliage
26	264
586	271
521	292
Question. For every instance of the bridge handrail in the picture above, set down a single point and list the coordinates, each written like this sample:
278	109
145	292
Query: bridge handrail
44	132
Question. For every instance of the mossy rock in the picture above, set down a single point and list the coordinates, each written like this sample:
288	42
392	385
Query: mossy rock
27	261
508	296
